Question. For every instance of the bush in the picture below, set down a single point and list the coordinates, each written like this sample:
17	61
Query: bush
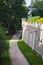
39	20
33	19
3	46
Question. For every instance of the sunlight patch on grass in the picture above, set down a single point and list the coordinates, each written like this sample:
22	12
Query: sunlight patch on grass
14	40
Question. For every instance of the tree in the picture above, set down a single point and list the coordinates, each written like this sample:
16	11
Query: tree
38	7
11	12
3	45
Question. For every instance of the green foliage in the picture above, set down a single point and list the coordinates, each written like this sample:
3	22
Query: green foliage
4	46
30	55
33	19
38	5
5	55
11	12
6	59
2	39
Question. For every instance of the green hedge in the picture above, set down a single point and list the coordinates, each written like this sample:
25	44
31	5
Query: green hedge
33	19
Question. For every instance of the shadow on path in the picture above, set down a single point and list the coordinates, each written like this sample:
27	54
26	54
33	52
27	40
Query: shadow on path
17	58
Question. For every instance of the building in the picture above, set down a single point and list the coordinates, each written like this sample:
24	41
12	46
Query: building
32	34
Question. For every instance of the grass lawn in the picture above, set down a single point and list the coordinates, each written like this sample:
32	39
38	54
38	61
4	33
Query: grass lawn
5	55
30	55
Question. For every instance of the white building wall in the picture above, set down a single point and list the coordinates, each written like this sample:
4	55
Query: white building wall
32	34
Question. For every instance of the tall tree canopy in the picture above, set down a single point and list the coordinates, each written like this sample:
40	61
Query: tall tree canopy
11	12
38	7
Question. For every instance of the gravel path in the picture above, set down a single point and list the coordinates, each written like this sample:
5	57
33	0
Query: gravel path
17	58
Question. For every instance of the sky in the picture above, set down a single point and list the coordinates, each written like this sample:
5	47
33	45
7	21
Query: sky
28	2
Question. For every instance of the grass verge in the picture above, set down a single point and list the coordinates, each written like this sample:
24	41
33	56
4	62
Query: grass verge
5	55
30	55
